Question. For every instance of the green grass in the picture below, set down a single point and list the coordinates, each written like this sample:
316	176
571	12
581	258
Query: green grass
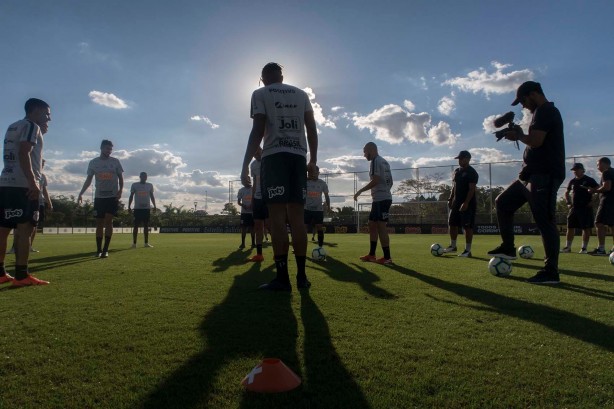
180	325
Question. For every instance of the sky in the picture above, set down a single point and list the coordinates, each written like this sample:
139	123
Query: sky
170	83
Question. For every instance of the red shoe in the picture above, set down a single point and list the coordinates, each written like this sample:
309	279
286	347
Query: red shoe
256	258
29	280
385	261
369	257
6	279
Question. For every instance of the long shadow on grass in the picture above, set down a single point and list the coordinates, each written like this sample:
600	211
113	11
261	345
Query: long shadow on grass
561	321
364	278
248	324
235	258
51	262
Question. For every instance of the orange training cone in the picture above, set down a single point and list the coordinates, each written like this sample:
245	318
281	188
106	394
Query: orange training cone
270	376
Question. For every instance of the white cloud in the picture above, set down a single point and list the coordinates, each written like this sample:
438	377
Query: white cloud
489	126
441	134
318	114
497	82
409	105
336	108
108	100
446	105
576	124
204	119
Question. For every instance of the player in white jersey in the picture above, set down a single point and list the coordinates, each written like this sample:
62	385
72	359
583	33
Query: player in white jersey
20	190
260	212
281	113
244	200
380	185
143	194
109	185
314	208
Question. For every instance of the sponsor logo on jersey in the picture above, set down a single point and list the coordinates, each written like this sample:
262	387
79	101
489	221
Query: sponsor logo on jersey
288	123
282	91
10	156
289	143
11	213
275	191
280	105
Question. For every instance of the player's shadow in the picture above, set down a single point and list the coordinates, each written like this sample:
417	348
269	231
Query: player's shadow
557	320
235	258
357	274
52	262
585	274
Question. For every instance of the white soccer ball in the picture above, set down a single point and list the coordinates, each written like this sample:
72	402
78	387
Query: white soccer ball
318	254
500	267
611	258
526	251
437	249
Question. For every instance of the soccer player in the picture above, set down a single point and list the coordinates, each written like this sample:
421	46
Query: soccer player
20	190
605	211
281	113
109	185
542	173
143	194
244	200
380	185
462	203
314	209
260	212
580	214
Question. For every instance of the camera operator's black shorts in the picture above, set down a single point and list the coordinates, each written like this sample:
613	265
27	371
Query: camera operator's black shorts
605	214
16	208
379	211
284	178
141	215
313	216
464	219
247	219
261	212
105	205
580	218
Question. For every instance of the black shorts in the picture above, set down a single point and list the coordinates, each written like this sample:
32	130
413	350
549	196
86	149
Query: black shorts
313	216
464	219
247	219
379	211
580	218
105	205
261	212
605	214
141	215
284	178
16	208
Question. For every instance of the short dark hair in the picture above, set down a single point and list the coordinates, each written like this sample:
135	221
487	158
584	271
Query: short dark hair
34	103
271	67
106	142
606	161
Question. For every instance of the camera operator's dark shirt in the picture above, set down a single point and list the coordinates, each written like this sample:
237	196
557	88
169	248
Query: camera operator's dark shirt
580	197
607	197
462	178
550	157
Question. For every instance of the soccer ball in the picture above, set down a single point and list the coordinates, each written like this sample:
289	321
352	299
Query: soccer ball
526	251
318	254
437	250
500	267
611	258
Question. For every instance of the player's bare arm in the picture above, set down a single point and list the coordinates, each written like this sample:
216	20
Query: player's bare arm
121	186
86	184
374	181
470	195
312	139
534	139
25	149
130	201
255	138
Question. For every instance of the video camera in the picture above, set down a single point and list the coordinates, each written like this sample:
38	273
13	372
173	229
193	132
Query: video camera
507	119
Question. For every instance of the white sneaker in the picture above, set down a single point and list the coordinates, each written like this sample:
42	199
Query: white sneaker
450	249
33	250
582	251
133	246
148	245
566	250
465	253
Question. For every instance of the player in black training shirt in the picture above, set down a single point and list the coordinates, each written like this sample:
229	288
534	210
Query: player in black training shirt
580	214
605	211
542	173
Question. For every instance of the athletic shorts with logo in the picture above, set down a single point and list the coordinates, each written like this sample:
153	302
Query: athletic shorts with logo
141	215
464	219
247	219
16	208
105	205
605	214
379	211
284	178
261	212
313	217
580	218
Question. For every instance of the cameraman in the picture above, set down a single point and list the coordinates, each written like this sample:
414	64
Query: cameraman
542	173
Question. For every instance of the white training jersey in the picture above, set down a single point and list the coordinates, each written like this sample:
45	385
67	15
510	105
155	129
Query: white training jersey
23	130
43	185
381	168
284	107
254	169
142	195
106	172
245	196
315	189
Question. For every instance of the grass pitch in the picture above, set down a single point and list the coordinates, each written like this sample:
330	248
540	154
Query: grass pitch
180	325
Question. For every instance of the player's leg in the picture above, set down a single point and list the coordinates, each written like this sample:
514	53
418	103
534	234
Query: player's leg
4	235
507	203
454	220
467	219
99	212
24	232
146	232
135	231
243	233
279	238
320	230
108	233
